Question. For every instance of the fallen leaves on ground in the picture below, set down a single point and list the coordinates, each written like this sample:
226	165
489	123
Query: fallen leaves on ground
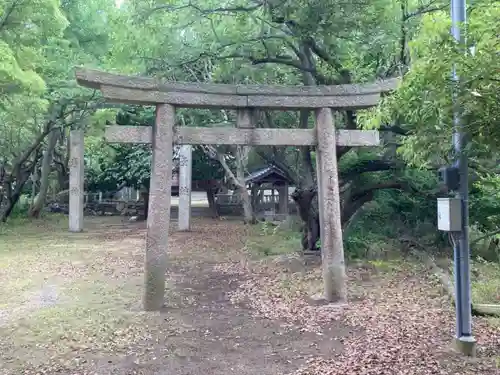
399	323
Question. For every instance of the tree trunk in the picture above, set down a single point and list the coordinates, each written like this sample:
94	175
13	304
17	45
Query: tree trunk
239	179
12	198
62	161
241	161
19	176
211	202
40	199
306	160
62	178
145	198
248	213
4	215
307	60
306	201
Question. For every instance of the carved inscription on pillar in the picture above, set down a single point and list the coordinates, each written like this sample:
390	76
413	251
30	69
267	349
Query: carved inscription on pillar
76	172
183	160
185	183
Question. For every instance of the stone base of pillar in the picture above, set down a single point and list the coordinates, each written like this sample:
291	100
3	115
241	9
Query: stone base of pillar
465	346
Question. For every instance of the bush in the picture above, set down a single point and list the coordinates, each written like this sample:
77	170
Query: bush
22	206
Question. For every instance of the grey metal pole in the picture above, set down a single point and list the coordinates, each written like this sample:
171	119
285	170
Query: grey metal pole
464	340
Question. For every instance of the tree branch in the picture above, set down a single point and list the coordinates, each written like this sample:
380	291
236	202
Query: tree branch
323	55
365	166
361	197
204	12
395	129
7	13
214	154
423	10
487	235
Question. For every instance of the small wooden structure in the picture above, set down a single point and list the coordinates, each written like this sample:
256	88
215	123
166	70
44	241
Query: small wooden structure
269	207
166	96
274	179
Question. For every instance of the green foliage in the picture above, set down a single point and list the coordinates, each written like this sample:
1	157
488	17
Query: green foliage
25	30
108	167
22	206
129	165
485	202
423	102
41	41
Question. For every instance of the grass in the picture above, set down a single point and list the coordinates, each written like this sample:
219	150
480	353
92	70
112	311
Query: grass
486	282
21	226
269	240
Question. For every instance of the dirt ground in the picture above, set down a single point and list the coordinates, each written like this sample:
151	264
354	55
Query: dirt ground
71	304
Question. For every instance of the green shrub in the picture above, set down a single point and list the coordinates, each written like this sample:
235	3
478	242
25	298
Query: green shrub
22	206
269	240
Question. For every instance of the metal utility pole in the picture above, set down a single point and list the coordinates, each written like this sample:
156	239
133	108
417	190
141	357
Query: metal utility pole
465	342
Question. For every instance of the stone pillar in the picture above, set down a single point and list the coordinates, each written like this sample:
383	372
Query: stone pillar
283	199
185	183
159	208
332	249
76	175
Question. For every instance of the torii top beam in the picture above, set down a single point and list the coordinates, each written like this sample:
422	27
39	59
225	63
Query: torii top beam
151	91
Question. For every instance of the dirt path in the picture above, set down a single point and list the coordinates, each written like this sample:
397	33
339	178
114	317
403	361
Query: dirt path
224	338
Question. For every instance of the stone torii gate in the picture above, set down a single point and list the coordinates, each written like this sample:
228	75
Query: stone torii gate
166	96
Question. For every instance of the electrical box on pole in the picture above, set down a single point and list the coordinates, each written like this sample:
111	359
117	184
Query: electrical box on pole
449	214
450	177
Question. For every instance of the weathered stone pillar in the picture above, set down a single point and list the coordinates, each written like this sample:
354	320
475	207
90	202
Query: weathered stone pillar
332	249
185	183
76	175
283	199
159	208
